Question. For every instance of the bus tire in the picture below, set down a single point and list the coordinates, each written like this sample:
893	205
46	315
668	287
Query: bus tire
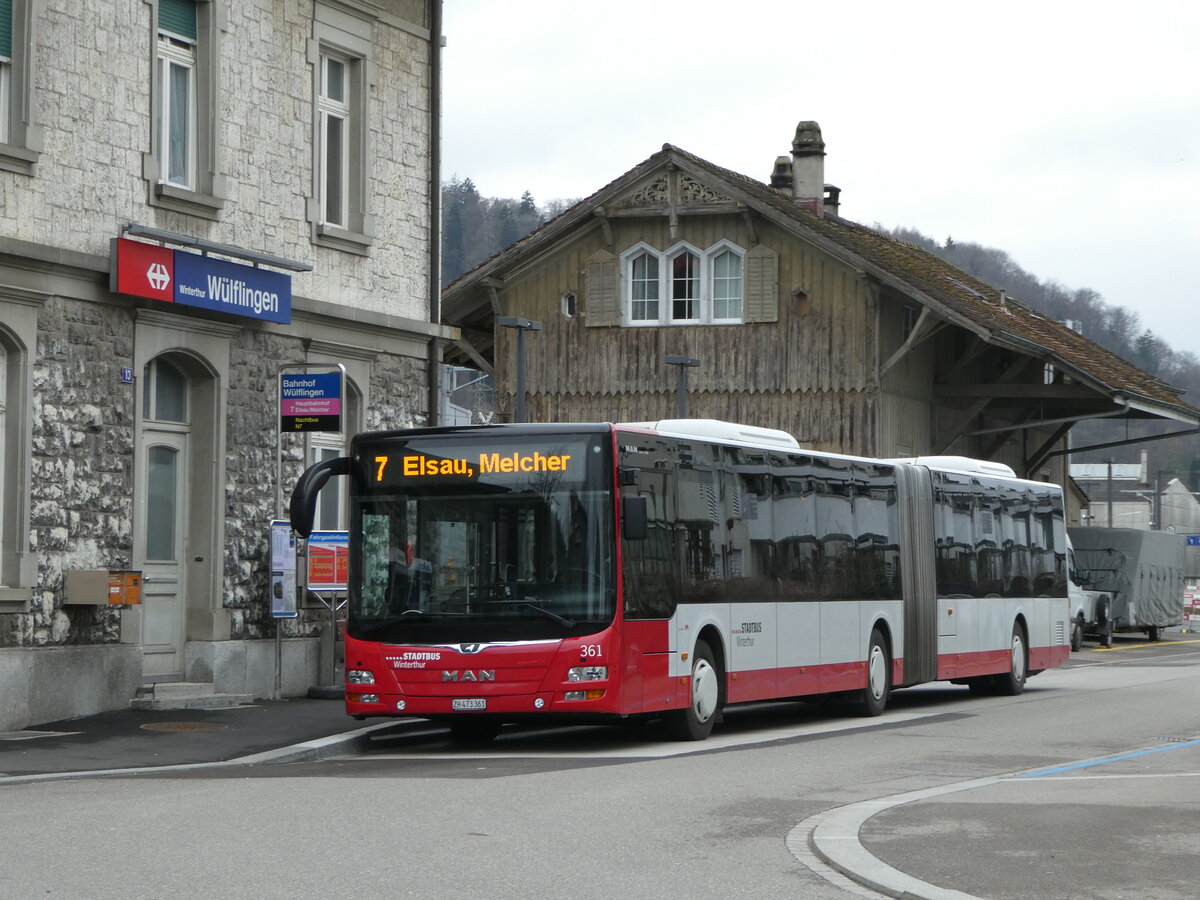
695	721
879	676
1012	683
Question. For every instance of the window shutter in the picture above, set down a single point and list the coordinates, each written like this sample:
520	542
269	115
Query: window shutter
6	28
762	285
603	296
178	17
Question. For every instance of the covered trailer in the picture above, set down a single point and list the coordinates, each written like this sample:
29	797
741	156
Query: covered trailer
1135	578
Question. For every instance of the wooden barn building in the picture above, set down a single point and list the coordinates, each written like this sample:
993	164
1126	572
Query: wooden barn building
800	320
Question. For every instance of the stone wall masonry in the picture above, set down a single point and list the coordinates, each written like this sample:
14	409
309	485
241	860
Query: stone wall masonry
82	467
92	80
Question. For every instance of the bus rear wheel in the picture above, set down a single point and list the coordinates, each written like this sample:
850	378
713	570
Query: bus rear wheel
1012	683
695	721
879	677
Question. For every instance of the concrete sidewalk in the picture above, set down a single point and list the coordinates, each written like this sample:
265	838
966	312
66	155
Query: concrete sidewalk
265	731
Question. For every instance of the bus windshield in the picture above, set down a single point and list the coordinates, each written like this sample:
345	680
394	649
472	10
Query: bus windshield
482	538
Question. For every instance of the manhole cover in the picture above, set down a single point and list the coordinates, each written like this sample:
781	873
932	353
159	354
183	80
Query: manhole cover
184	726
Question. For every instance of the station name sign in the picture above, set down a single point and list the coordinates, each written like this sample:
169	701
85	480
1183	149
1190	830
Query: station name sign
189	279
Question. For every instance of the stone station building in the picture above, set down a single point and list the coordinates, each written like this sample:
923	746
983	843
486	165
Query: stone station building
262	142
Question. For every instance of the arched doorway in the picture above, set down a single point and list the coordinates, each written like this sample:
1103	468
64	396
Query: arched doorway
175	504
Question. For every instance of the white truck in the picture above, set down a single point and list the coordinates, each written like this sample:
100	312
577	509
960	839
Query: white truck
1124	580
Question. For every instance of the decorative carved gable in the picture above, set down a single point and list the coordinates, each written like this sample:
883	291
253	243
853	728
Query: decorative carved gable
672	186
693	192
653	193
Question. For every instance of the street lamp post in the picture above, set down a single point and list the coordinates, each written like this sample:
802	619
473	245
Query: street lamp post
521	325
684	363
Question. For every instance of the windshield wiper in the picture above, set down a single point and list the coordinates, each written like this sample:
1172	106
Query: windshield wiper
550	614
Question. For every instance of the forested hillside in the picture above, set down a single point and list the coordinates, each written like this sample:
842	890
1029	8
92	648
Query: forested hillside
476	227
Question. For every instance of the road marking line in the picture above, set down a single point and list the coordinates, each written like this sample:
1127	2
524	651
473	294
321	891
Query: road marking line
1108	759
1111	777
1136	646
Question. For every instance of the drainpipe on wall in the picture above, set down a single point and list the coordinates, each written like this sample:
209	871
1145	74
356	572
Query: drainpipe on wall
435	209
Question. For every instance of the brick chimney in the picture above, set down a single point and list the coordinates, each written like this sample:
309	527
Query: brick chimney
808	167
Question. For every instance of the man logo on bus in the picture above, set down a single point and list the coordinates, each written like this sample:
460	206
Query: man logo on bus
468	675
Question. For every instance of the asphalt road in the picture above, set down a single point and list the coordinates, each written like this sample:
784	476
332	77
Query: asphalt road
1085	786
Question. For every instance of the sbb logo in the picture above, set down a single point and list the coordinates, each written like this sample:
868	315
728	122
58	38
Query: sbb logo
158	276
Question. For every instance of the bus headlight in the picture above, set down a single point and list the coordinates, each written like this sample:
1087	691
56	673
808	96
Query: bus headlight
360	676
363	698
587	673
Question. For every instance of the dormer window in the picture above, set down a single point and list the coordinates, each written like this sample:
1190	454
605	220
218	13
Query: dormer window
703	287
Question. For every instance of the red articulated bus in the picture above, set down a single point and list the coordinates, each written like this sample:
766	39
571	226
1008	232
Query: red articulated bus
664	570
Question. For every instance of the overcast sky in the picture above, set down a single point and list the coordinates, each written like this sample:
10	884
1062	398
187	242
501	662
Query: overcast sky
1065	133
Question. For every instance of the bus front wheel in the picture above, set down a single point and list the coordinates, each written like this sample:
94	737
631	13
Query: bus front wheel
695	721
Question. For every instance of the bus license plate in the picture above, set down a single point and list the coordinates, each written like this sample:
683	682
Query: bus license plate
469	704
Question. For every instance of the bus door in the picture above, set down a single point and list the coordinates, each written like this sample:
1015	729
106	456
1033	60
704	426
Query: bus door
918	574
649	586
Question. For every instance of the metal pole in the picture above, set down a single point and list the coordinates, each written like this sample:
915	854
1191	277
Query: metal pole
1109	523
684	363
521	325
520	374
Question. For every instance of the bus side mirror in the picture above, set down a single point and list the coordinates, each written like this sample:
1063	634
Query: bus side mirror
634	518
303	507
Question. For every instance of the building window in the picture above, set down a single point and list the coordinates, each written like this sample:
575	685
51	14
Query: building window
643	282
5	69
18	332
342	77
176	86
569	304
333	109
685	286
331	501
704	287
727	286
20	138
3	440
181	165
165	392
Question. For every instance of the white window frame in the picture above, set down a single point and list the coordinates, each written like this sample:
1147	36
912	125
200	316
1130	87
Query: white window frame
329	108
704	280
698	279
203	192
20	136
176	52
725	246
3	439
323	445
628	258
19	312
5	98
347	39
